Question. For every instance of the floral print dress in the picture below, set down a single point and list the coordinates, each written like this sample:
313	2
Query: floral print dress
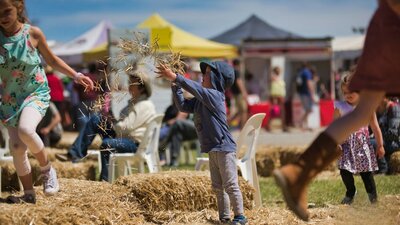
23	80
358	154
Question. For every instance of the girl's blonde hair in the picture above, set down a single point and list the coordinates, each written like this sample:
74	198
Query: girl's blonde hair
21	10
347	76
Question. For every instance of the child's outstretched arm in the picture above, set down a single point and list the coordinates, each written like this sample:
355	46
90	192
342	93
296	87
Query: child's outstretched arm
55	62
184	105
181	103
205	95
380	151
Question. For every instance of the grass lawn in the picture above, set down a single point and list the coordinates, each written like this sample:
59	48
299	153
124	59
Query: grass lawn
331	190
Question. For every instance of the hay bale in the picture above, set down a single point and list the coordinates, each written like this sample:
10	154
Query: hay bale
266	162
394	163
78	202
84	171
177	190
9	177
269	158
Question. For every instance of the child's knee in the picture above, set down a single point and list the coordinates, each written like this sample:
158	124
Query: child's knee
216	188
20	158
25	132
232	188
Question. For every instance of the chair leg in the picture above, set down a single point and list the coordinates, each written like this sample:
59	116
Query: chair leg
99	162
111	169
167	156
128	168
256	184
197	167
141	167
200	163
0	180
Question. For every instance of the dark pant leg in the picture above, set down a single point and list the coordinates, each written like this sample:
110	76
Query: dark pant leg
54	138
121	145
181	130
88	133
348	181
369	182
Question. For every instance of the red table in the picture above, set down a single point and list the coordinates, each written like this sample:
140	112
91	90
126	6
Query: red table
326	110
261	107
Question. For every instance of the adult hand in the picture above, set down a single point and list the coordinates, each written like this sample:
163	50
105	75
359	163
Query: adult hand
44	130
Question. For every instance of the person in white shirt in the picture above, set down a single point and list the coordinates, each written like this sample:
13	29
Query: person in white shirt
123	135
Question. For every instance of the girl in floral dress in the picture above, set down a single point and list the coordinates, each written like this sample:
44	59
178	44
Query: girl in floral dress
26	94
358	155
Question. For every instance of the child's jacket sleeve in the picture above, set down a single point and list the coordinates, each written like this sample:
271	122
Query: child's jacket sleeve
207	96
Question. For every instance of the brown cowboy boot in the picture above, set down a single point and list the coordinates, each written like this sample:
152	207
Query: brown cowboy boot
294	178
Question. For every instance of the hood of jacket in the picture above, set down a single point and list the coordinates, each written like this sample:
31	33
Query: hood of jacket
222	74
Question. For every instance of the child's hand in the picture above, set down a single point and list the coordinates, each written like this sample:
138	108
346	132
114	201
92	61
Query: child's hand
165	72
380	152
84	81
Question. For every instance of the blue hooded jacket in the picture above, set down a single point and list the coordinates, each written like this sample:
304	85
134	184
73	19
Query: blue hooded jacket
208	106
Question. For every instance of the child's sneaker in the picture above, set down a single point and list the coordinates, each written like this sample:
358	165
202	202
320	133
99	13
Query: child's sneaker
50	182
224	220
26	198
239	220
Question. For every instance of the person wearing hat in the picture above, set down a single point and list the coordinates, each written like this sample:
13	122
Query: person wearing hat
208	107
123	135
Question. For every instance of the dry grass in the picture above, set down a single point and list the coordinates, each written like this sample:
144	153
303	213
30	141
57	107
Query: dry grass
89	202
78	202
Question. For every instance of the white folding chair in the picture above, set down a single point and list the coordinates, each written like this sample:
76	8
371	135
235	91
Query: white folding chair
97	154
120	163
247	164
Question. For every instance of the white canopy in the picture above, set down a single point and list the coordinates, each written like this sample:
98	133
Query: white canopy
72	51
348	47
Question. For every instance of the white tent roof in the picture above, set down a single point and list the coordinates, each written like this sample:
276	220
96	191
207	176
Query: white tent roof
349	43
72	51
348	47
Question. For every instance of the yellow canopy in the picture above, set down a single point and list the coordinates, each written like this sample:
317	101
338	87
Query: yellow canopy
99	52
172	38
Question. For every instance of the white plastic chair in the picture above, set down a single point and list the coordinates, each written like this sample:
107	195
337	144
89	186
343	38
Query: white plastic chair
247	164
147	151
97	154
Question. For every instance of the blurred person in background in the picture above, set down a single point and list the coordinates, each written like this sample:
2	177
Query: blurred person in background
50	129
57	94
239	94
86	98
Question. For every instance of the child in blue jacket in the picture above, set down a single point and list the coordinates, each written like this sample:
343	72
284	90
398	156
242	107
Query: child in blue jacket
208	107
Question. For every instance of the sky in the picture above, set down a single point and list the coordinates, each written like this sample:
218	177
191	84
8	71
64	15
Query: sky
63	20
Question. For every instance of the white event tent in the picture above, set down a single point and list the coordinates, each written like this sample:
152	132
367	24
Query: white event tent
72	51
